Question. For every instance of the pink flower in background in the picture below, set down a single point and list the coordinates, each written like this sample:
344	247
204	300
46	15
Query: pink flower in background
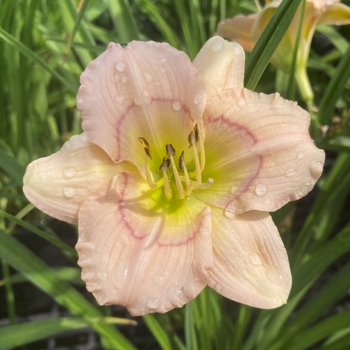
173	178
246	30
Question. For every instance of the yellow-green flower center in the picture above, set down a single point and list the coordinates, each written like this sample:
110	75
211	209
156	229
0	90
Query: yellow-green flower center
174	176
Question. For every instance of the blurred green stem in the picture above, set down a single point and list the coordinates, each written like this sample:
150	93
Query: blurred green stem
304	86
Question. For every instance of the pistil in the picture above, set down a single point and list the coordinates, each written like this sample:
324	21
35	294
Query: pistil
165	167
182	167
192	141
148	154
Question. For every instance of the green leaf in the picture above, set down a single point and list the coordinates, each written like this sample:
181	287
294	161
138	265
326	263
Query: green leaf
157	331
11	166
334	89
269	41
45	278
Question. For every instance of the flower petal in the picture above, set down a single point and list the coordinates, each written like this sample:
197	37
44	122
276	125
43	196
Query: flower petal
221	65
239	29
251	263
146	89
136	255
58	184
337	14
259	152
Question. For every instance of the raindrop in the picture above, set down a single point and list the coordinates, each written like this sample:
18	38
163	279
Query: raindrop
229	214
241	102
124	79
121	277
217	46
197	99
267	200
69	172
80	100
153	303
119	99
120	66
146	93
260	190
148	77
102	276
300	155
255	259
237	49
290	172
176	105
137	101
69	192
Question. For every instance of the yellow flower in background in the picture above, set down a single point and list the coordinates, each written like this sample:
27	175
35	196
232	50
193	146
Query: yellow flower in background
246	30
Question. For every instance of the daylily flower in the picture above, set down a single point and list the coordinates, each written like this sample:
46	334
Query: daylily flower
246	30
173	178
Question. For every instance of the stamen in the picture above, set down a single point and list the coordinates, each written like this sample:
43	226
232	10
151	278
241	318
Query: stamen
201	145
170	151
183	168
192	141
201	185
165	167
148	154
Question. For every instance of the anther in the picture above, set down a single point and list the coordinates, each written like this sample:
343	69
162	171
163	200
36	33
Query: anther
165	168
170	151
192	141
148	154
146	147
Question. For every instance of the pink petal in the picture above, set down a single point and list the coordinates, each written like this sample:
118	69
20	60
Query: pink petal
221	65
58	184
251	263
239	29
137	253
148	90
259	152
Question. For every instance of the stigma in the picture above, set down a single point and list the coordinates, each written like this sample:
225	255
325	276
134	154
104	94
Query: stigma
175	176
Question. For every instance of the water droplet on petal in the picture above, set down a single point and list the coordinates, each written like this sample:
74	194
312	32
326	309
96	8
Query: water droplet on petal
176	105
69	192
217	46
229	214
69	172
148	77
146	93
255	259
290	172
119	99
124	79
241	102
137	101
120	66
197	99
267	200
260	190
153	303
102	276
237	49
121	277
273	276
80	100
300	155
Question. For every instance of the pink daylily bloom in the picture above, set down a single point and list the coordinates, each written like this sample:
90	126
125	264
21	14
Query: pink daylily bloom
173	178
246	30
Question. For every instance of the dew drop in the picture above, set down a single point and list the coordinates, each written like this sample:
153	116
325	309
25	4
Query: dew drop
120	66
260	190
273	276
69	172
148	77
300	155
71	154
267	200
176	105
80	100
237	49
217	46
137	101
255	259
69	192
102	276
290	172
146	93
197	99
153	303
124	79
241	102
229	214
121	277
119	99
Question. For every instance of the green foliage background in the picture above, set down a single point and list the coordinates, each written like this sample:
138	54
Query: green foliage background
44	47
